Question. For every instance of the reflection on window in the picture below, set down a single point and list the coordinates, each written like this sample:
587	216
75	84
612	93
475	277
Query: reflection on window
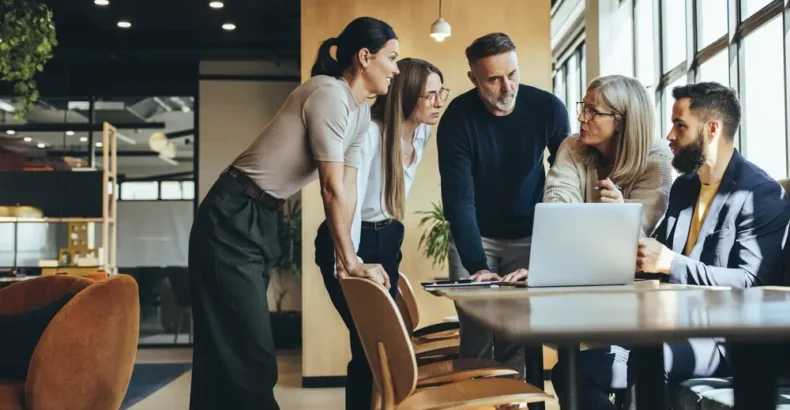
669	101
749	7
765	111
188	189
674	31
711	21
573	81
559	85
171	189
716	69
583	67
645	60
139	190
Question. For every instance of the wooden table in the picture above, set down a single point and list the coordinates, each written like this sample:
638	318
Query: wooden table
646	316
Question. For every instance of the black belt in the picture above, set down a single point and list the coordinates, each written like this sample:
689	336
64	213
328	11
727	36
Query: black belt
377	225
254	191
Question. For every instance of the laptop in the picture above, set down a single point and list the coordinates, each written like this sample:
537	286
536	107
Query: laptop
584	244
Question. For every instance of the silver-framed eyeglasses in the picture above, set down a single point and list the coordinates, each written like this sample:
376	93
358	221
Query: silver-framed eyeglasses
434	96
589	113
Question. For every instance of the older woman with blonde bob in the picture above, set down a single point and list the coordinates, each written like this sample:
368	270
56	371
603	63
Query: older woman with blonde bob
615	158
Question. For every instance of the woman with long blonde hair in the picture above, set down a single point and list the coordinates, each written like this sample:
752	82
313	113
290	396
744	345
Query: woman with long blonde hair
400	129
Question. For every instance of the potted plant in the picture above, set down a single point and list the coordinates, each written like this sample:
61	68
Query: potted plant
436	236
287	324
27	38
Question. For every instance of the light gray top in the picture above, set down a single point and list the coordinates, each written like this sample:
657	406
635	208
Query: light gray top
320	121
639	316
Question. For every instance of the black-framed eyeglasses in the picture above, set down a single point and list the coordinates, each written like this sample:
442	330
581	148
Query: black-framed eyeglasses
432	96
587	113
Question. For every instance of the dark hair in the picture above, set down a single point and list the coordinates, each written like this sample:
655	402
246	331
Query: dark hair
489	45
390	110
363	32
713	100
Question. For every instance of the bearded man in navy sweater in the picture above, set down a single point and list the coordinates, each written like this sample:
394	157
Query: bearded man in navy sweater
491	143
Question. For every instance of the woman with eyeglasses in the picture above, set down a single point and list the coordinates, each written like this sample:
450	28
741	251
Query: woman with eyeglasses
400	129
615	157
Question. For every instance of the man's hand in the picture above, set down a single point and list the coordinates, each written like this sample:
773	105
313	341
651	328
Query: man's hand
372	271
653	257
609	192
517	275
485	276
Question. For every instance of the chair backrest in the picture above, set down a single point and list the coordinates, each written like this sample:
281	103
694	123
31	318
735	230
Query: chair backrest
410	301
85	357
379	323
37	292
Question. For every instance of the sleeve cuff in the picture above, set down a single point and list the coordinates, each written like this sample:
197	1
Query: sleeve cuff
677	272
476	266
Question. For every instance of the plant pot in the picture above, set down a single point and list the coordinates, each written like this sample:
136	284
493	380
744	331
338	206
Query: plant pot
287	329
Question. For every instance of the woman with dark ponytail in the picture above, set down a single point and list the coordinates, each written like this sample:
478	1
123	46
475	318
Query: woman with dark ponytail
317	134
398	134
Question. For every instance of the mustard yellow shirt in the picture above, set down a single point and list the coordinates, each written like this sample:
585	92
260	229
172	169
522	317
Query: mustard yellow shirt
706	194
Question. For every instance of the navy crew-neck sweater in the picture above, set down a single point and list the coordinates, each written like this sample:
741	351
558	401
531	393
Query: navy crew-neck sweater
491	167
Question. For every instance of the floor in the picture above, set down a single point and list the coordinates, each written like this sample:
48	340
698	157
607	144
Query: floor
289	391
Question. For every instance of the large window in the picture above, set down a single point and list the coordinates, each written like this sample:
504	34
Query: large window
739	43
764	110
644	58
570	82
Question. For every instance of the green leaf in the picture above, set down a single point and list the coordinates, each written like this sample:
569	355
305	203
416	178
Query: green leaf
28	37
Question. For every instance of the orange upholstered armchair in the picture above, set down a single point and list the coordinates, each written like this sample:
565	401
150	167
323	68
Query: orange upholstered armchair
85	356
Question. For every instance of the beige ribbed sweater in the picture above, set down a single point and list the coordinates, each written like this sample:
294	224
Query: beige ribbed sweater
570	180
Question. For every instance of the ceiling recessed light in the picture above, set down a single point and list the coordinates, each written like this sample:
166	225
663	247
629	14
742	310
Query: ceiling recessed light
83	139
101	2
99	144
216	4
69	133
10	132
229	26
27	139
41	145
124	24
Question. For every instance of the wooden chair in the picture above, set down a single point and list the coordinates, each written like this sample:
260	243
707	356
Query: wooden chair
445	330
430	346
391	355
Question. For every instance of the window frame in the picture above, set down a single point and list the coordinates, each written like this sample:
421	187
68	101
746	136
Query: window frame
737	30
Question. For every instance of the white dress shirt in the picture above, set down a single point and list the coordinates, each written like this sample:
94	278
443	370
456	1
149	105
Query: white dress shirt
370	179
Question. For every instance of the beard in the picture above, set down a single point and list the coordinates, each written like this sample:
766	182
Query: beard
690	157
503	102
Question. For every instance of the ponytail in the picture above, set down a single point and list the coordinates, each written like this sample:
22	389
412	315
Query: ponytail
363	32
325	64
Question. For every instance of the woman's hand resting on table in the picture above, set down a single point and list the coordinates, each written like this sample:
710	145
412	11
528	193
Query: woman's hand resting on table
518	275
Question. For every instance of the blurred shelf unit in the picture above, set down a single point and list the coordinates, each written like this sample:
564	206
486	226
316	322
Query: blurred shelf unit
82	254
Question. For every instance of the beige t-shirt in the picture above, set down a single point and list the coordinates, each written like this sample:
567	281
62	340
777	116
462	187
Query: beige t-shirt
320	121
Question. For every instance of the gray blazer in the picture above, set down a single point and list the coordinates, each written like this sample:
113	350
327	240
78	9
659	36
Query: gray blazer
741	242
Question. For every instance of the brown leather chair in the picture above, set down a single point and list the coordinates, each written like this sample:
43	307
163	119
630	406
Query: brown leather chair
85	356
